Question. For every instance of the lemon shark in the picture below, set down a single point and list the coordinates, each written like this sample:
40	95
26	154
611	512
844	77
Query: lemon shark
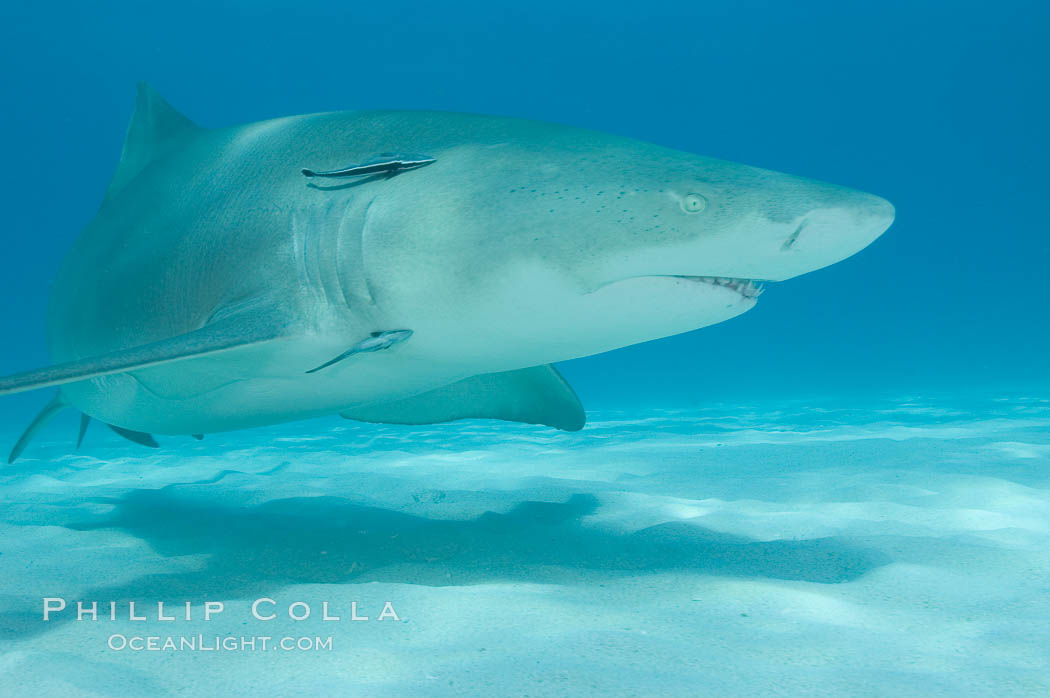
404	267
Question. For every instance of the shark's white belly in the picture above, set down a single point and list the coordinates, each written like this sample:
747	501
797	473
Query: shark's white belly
226	393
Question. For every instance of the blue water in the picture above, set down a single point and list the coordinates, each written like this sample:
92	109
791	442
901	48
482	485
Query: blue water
875	428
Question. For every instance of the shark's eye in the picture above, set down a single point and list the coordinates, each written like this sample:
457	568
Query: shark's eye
693	203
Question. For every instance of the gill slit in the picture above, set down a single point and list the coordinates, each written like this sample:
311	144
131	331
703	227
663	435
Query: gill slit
361	252
349	269
301	241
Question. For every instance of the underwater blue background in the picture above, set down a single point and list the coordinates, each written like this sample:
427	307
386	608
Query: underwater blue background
941	107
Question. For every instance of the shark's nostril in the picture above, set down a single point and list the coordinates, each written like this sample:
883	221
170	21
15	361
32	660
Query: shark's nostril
794	236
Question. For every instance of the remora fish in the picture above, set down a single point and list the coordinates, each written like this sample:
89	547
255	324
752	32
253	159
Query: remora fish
218	288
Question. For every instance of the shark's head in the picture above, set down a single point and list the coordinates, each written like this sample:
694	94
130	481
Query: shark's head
568	242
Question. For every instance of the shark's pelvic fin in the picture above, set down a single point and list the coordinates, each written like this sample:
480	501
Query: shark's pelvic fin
56	405
537	395
231	333
85	421
139	437
155	129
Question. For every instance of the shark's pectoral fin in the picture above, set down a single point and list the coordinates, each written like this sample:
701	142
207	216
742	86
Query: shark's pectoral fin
225	335
56	405
139	437
537	395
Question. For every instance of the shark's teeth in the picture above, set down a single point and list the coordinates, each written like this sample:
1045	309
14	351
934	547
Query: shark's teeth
745	287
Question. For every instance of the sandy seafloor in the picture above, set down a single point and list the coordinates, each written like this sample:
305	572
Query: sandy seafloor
822	548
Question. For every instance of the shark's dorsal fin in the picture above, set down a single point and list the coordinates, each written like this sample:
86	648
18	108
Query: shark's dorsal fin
537	395
155	128
224	335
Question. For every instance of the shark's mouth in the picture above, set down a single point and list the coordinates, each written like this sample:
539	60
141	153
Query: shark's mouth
748	288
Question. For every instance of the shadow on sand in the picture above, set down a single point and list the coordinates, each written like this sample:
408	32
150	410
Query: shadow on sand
255	550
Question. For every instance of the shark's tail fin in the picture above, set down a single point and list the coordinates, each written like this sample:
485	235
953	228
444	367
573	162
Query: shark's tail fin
56	405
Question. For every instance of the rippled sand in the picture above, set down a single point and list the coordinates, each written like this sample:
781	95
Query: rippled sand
896	547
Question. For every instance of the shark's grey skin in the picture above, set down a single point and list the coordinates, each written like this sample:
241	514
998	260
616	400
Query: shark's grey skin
215	276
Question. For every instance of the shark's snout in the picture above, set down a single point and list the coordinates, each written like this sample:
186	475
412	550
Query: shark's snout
826	235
